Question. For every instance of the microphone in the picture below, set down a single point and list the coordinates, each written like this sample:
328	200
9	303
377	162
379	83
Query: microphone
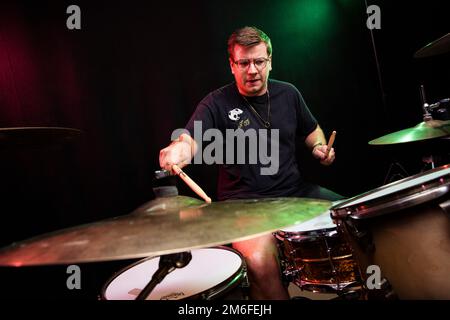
167	263
175	260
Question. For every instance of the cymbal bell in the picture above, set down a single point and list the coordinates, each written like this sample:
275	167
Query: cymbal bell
163	226
35	136
425	130
439	46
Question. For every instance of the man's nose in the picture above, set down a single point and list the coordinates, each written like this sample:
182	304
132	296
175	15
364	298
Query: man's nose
252	68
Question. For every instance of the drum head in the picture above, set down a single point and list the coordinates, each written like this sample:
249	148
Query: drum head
322	221
397	195
206	272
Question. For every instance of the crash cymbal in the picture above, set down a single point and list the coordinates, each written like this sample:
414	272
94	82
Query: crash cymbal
163	226
441	45
424	130
35	136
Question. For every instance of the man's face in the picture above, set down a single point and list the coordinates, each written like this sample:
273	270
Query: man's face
251	67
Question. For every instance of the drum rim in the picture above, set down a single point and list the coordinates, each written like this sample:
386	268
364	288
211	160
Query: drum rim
288	235
217	290
401	199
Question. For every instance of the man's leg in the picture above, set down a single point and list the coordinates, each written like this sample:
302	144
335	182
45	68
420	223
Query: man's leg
310	190
261	256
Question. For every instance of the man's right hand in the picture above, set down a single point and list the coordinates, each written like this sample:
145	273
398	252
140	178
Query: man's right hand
179	152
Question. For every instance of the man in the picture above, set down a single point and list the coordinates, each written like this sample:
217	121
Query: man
276	110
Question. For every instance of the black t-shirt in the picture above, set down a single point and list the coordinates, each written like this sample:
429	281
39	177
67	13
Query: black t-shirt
225	109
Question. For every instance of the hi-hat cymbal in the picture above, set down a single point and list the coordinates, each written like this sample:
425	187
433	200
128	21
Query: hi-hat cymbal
439	46
423	131
163	226
35	136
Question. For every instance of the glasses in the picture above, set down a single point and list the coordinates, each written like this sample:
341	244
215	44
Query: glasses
244	64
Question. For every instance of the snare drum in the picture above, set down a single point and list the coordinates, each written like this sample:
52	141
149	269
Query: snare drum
404	229
315	257
212	273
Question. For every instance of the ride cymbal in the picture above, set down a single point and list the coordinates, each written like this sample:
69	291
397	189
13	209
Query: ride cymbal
439	46
163	226
423	131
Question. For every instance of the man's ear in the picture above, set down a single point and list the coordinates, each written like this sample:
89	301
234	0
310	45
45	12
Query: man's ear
231	65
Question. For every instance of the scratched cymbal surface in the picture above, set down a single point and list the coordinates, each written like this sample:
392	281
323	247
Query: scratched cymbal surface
163	226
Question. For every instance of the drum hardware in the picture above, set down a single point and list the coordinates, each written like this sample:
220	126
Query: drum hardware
437	105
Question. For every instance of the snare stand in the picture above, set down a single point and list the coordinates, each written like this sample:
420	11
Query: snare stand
167	263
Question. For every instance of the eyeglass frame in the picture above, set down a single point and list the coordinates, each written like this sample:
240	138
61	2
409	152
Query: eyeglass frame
250	61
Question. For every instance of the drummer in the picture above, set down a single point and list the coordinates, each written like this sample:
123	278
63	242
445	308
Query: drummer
276	112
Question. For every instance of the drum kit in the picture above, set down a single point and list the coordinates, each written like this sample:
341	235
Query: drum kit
402	229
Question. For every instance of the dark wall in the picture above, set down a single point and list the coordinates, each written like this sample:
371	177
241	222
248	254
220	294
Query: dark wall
136	70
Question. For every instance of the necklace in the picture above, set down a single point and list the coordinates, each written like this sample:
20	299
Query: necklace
265	123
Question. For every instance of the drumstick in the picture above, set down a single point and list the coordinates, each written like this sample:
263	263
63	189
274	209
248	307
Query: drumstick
330	142
195	187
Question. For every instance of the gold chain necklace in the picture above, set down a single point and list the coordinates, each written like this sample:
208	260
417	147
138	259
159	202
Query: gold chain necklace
265	123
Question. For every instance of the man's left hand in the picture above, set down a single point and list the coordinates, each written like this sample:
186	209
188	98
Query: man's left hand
320	153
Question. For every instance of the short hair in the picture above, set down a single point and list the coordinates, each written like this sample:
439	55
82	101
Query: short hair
248	37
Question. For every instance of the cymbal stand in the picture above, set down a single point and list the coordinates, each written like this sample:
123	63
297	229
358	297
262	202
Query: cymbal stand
427	116
167	263
428	160
426	113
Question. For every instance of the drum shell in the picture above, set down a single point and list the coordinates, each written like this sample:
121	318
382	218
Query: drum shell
318	260
411	246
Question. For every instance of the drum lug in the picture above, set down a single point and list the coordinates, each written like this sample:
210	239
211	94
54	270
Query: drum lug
446	207
364	237
291	274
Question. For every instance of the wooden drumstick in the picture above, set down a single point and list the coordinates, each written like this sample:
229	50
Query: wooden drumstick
195	187
330	142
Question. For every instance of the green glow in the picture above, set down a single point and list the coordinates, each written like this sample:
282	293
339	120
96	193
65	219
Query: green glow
308	17
307	31
314	15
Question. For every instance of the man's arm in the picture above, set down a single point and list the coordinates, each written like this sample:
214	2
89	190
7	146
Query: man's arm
317	143
179	152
